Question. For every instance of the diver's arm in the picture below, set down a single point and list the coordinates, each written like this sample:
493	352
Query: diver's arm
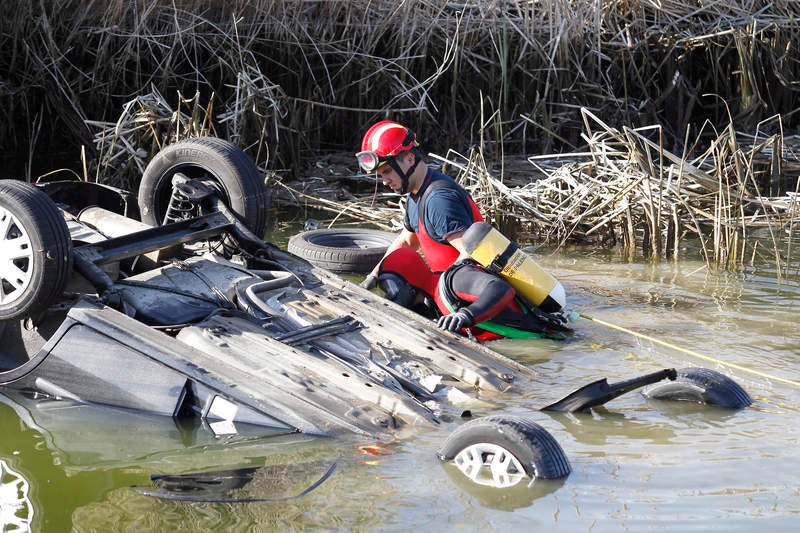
487	293
404	239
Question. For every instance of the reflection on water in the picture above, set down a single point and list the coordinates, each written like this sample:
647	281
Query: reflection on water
637	464
516	496
16	509
75	453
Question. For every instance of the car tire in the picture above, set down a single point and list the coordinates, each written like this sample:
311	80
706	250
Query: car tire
495	450
342	250
701	385
222	163
35	250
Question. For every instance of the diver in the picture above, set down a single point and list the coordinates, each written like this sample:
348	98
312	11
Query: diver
466	298
438	210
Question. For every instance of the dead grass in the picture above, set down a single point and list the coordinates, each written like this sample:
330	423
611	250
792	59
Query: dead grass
626	191
672	115
291	78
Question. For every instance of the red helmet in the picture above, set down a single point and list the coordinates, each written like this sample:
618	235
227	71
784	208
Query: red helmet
384	141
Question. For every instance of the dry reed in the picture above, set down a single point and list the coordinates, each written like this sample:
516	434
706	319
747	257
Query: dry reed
627	190
291	78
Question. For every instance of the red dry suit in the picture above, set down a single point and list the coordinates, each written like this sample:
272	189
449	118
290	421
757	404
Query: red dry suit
407	280
441	207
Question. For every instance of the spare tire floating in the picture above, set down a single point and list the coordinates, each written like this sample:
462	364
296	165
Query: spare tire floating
342	250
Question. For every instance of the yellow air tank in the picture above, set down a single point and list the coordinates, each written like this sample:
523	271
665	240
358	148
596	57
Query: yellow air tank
500	256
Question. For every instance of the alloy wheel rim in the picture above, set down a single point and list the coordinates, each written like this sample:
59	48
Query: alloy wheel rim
16	258
489	464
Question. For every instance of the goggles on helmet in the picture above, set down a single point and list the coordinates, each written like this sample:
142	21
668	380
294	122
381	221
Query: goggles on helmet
369	161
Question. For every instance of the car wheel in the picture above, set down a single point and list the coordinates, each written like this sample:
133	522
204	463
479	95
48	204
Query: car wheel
342	250
35	250
701	385
499	450
217	161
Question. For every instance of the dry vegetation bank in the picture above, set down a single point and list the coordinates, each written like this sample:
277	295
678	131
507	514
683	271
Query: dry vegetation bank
291	78
660	95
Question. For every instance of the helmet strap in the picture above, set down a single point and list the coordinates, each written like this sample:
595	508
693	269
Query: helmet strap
404	176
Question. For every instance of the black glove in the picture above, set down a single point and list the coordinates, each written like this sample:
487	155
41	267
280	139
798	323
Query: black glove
369	282
455	321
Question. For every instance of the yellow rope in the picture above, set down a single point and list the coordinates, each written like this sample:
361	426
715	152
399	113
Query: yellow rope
690	352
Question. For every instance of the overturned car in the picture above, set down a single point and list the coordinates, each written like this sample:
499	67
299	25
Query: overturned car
171	303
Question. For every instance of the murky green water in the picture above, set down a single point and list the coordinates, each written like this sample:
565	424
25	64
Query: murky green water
637	464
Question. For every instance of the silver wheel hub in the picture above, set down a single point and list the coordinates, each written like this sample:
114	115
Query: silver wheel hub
489	464
16	258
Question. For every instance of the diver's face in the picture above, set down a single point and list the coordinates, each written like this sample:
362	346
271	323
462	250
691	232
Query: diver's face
389	177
